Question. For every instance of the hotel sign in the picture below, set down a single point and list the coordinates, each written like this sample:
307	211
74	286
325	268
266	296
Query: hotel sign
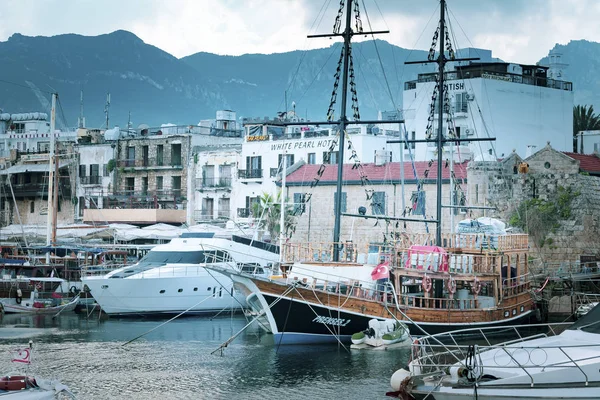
496	77
261	138
302	144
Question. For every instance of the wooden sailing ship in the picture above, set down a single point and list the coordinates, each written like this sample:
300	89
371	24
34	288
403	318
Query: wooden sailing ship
432	283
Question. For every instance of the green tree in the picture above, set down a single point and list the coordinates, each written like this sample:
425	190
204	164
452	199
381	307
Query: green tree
584	119
267	213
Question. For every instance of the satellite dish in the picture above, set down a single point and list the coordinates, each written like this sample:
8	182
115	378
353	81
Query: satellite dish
142	126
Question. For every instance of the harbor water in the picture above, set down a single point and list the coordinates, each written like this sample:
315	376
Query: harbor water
174	361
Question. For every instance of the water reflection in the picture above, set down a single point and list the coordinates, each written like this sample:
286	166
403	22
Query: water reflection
175	361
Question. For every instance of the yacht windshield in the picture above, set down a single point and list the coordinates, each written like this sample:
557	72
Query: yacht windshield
590	322
156	258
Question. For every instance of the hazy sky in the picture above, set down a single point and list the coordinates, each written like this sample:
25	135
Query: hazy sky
515	30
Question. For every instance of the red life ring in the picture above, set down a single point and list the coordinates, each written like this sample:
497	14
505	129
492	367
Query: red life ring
476	286
451	285
426	283
16	382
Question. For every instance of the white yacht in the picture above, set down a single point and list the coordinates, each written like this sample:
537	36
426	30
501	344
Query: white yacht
542	366
171	278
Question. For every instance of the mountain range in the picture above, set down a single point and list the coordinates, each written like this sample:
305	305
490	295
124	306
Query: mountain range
155	87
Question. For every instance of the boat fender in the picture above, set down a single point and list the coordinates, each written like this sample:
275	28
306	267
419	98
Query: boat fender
38	286
426	283
73	290
19	296
398	378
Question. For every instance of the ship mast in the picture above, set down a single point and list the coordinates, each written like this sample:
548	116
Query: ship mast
440	140
51	225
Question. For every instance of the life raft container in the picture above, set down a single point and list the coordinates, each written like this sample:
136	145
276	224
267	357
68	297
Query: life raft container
16	382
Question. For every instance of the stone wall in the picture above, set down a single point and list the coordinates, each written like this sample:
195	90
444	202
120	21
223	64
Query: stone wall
316	224
548	170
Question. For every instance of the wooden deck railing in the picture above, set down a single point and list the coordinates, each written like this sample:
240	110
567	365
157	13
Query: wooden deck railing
350	252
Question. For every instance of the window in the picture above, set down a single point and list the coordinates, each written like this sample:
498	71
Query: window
130	185
32	207
299	205
144	185
289	159
459	200
312	158
378	203
159	155
159	183
94	169
254	167
417	200
460	102
343	208
105	170
176	185
176	154
413	136
330	158
145	156
130	156
476	193
82	169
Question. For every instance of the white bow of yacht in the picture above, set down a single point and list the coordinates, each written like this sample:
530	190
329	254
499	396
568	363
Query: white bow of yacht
171	278
545	365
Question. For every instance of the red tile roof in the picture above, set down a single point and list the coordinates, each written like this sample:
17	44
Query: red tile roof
375	173
587	162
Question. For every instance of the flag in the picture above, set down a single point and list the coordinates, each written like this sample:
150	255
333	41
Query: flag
22	356
381	271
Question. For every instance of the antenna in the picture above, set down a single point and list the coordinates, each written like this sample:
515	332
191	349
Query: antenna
129	122
106	109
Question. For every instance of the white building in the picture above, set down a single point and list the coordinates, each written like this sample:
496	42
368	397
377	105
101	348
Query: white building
266	143
517	104
213	184
28	132
588	142
95	175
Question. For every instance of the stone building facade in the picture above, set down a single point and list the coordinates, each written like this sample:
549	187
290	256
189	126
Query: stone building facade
24	187
315	221
153	170
545	175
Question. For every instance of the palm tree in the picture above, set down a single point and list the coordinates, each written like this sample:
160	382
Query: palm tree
584	119
267	213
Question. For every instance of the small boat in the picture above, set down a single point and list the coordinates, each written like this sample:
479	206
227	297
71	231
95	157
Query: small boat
546	365
380	333
36	304
26	387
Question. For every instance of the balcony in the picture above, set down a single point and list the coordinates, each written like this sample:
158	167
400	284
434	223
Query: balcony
142	164
250	174
39	190
90	180
213	183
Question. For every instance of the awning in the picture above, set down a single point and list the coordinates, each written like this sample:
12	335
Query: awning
22	168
